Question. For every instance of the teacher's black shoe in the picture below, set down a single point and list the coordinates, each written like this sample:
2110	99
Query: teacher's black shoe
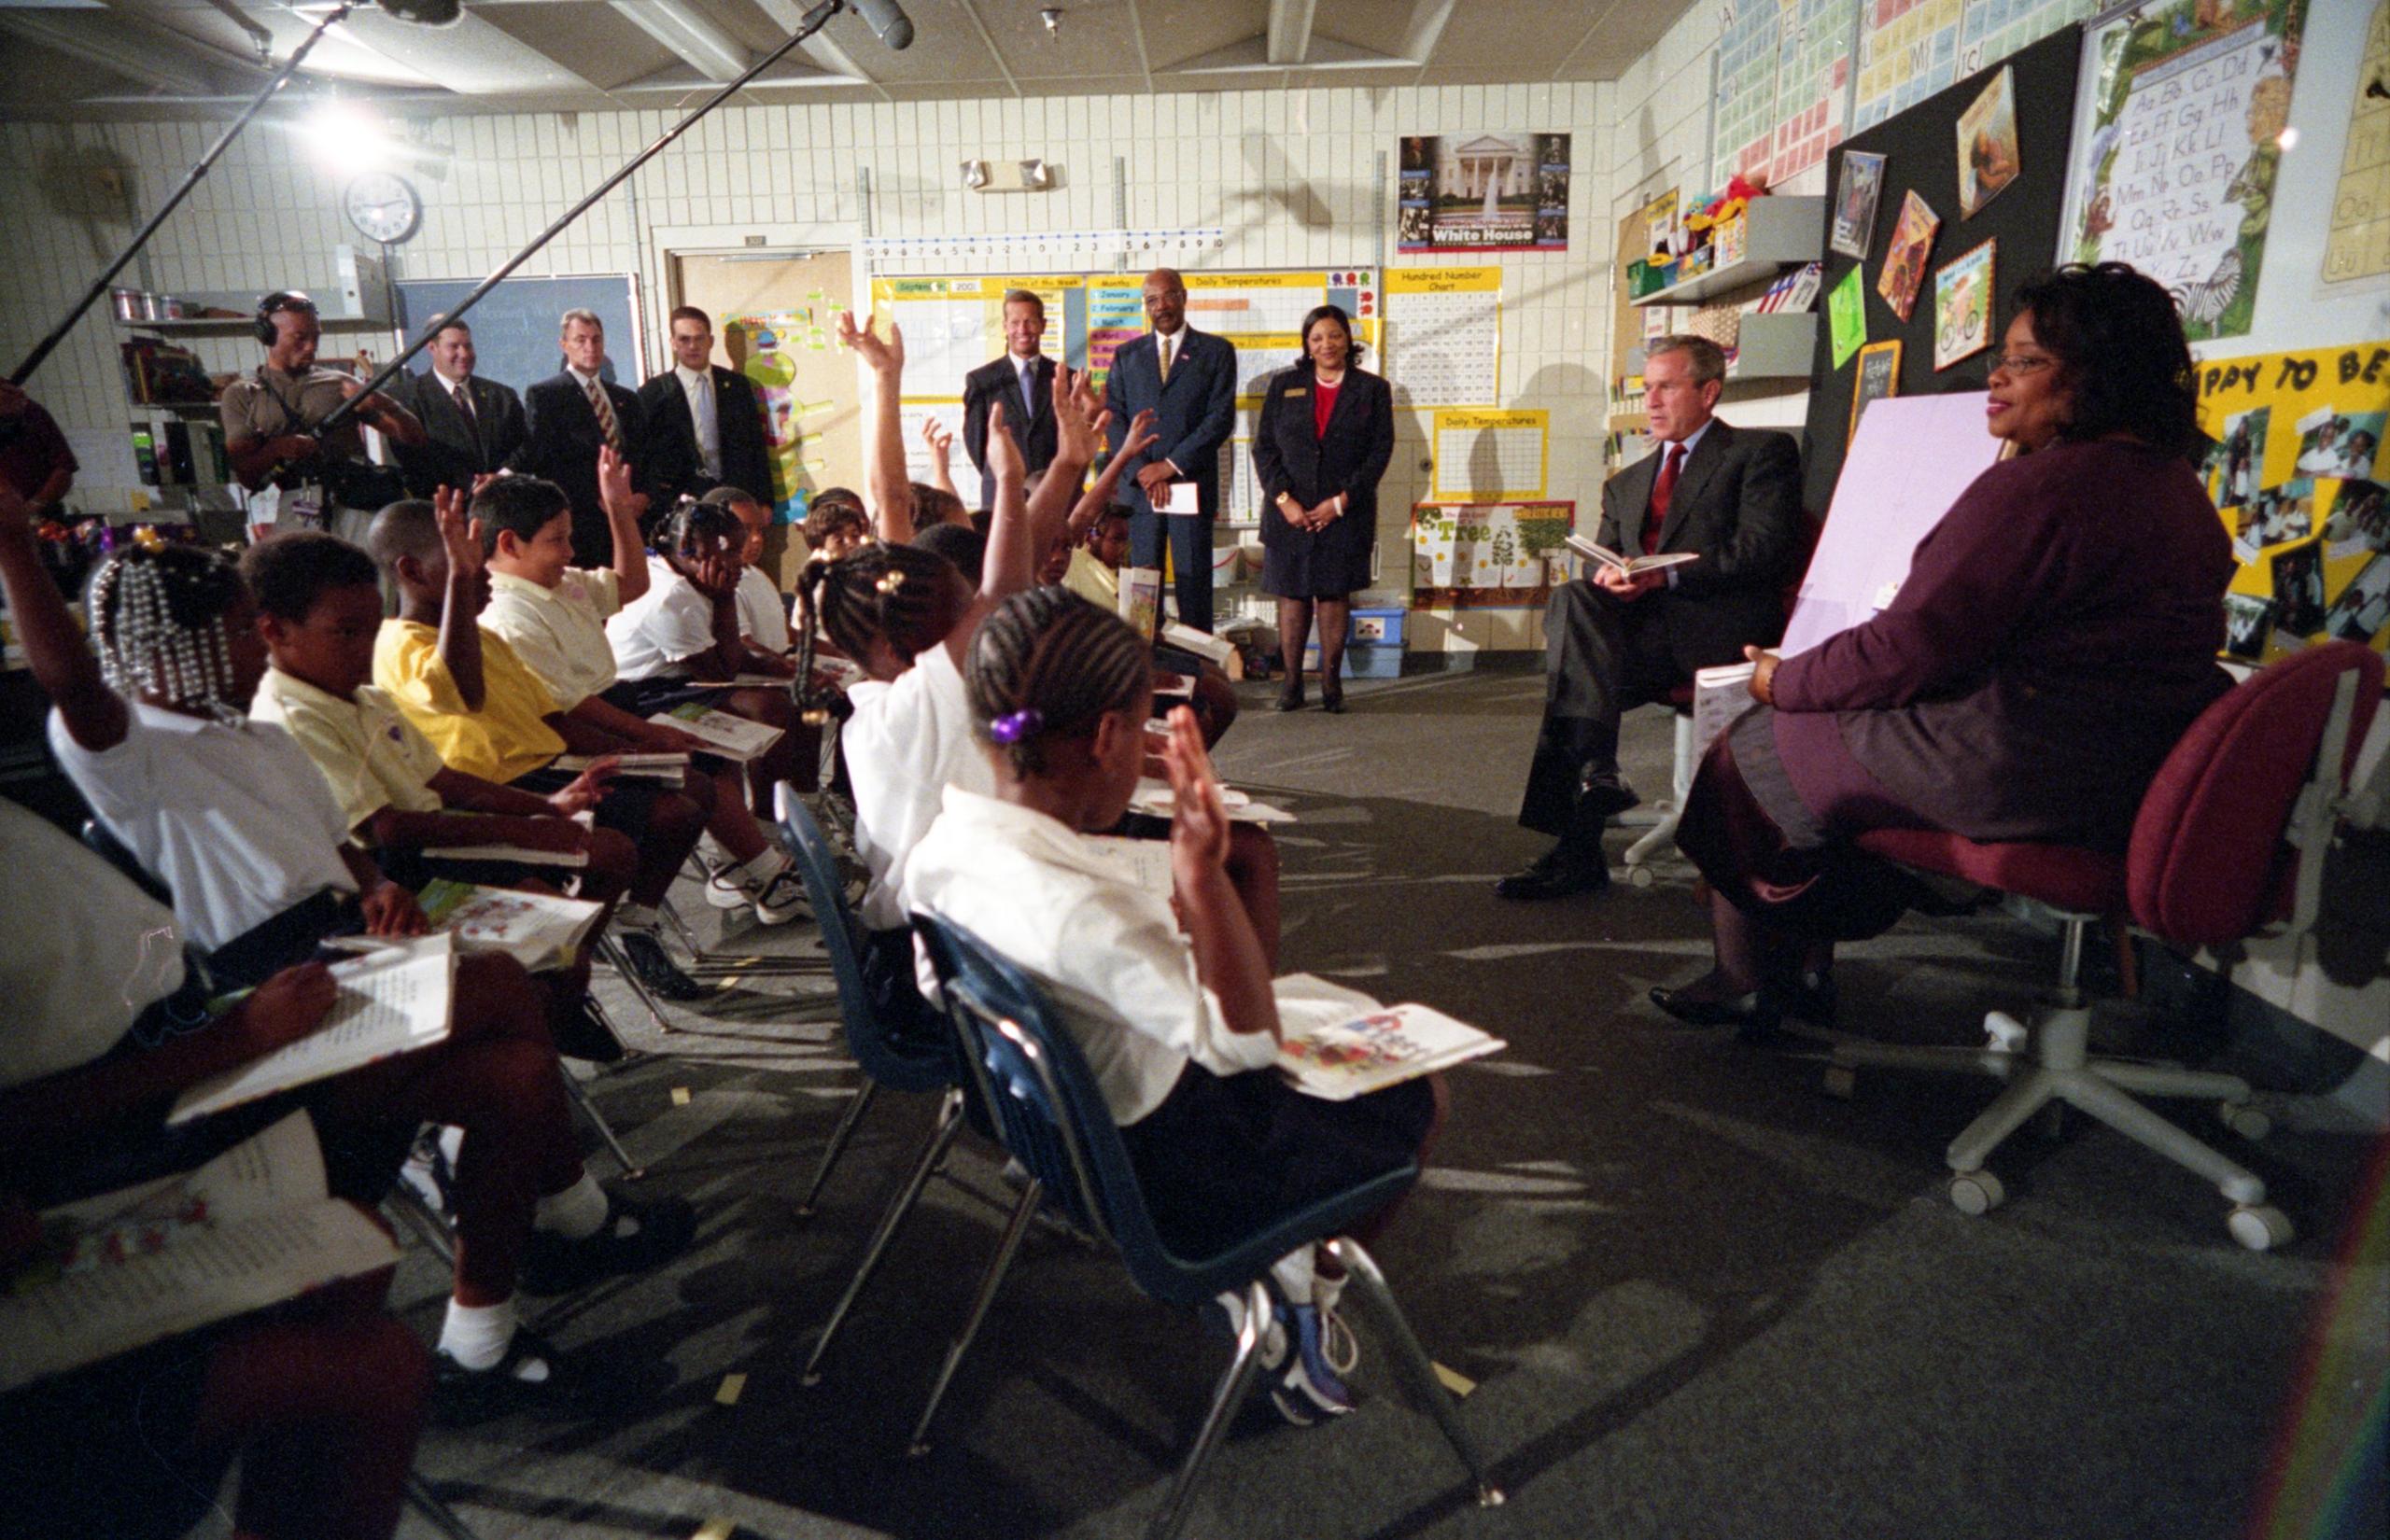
1332	699
1291	698
1756	1016
1557	873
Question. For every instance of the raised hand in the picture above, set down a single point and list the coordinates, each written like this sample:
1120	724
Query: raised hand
884	357
1199	826
1080	417
459	536
1004	455
1141	436
940	438
614	479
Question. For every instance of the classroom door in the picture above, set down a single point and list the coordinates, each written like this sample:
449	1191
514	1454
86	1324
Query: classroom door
774	320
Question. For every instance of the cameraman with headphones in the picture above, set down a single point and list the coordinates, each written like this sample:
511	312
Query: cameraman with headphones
269	418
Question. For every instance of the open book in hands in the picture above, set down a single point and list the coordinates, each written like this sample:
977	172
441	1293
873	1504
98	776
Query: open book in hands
542	932
1337	1044
391	1003
253	1227
728	736
1631	565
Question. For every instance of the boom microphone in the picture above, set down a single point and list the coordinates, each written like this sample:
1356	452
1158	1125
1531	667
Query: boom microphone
888	20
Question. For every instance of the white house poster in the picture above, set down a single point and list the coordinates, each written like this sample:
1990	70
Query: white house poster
1485	192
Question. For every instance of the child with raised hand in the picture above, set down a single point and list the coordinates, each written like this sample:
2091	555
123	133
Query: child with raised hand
554	615
1169	999
479	704
233	817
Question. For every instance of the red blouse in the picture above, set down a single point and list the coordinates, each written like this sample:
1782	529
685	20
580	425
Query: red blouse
1323	406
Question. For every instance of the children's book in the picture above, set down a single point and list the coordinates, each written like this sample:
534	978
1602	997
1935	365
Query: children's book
1338	1043
1210	649
1631	565
542	932
391	1003
731	737
253	1227
1141	599
1719	697
663	769
521	855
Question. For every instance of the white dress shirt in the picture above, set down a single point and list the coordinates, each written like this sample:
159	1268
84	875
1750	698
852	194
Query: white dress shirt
697	386
763	610
1108	953
659	633
906	744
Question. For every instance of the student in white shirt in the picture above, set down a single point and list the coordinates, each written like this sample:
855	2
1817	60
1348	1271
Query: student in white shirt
1179	1028
176	628
554	616
763	608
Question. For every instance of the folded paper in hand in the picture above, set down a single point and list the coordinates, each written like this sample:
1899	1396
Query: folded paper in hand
1631	565
1177	497
1338	1043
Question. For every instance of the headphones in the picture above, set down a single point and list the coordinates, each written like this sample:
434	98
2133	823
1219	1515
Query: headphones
274	304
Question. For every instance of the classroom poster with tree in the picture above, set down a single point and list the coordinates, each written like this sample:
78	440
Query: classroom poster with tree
2175	172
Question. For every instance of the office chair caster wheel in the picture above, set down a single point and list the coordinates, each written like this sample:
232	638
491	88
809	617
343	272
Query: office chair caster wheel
2260	1229
1841	1082
1640	875
2245	1120
1976	1192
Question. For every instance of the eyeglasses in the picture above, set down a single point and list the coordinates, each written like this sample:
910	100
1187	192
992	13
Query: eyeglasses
2017	364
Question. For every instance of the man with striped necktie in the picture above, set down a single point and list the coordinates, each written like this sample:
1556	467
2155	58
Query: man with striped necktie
568	418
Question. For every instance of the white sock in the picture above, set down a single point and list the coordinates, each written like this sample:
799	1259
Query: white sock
1293	1272
575	1214
764	868
478	1335
635	917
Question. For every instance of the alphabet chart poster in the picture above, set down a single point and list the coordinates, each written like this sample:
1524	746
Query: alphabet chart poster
2177	148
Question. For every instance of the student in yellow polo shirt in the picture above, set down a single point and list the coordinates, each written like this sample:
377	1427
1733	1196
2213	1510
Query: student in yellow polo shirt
488	715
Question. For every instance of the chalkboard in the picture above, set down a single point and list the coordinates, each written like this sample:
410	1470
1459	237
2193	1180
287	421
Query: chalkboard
515	325
1920	151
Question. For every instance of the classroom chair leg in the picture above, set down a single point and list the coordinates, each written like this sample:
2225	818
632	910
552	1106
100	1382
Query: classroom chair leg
572	1088
999	1265
949	1123
1362	1270
409	1208
840	1138
439	1515
609	952
1236	1382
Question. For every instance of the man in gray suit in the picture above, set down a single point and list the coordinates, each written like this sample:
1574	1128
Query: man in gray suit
472	424
1187	379
1732	498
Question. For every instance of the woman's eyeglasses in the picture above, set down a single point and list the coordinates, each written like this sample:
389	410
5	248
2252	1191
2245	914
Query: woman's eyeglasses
2017	364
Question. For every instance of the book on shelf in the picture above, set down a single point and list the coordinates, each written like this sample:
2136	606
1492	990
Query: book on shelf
253	1227
1631	565
670	769
1719	697
390	1002
1337	1044
728	736
542	932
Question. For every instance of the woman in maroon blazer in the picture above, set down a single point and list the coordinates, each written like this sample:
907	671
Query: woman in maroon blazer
2055	636
1323	437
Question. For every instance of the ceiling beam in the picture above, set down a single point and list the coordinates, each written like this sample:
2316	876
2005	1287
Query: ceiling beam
1290	29
710	50
470	56
1425	29
823	49
119	50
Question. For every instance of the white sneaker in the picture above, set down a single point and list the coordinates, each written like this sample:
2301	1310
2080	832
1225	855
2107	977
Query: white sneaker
781	898
727	888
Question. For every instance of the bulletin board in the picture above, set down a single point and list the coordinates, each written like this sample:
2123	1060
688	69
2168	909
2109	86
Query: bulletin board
1920	151
2297	473
1488	555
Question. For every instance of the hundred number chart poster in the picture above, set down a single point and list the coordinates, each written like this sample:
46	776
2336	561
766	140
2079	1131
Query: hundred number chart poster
2177	129
2299	474
1447	323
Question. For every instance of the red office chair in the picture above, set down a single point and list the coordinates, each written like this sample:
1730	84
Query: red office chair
2216	855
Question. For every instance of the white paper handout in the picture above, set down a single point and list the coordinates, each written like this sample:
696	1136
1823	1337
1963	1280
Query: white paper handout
391	1003
251	1229
1176	497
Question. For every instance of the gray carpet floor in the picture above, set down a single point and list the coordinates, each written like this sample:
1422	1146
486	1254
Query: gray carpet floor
1698	1297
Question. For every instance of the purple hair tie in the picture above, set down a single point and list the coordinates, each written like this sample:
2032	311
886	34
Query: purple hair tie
1014	726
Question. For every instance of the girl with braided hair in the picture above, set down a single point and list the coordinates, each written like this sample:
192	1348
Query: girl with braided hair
1169	997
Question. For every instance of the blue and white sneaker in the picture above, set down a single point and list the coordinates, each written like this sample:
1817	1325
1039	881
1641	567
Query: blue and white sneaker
1307	1390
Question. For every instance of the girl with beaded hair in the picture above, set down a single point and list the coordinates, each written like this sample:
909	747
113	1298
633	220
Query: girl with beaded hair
174	624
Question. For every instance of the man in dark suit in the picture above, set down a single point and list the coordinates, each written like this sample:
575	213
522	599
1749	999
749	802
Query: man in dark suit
474	426
705	423
1187	379
1023	380
1732	497
567	418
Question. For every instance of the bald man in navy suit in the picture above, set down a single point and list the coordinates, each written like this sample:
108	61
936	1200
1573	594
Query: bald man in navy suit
1187	379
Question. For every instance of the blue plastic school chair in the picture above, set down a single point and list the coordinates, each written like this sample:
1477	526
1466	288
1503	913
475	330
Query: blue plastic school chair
1028	1078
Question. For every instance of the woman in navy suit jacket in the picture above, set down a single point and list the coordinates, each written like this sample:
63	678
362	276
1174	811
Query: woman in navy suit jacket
1324	438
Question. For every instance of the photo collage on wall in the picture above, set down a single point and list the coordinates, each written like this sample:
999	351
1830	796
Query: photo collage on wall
2297	474
1483	192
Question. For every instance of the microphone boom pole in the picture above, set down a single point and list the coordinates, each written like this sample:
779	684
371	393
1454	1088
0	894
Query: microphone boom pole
206	162
811	23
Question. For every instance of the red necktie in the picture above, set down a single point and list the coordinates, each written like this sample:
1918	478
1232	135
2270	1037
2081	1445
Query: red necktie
1664	487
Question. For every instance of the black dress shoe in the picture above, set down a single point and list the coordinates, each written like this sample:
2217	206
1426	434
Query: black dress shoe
1756	1016
655	969
1291	698
1556	873
1332	699
1602	800
660	1229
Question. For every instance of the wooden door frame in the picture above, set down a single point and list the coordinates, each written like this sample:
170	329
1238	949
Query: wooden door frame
668	242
